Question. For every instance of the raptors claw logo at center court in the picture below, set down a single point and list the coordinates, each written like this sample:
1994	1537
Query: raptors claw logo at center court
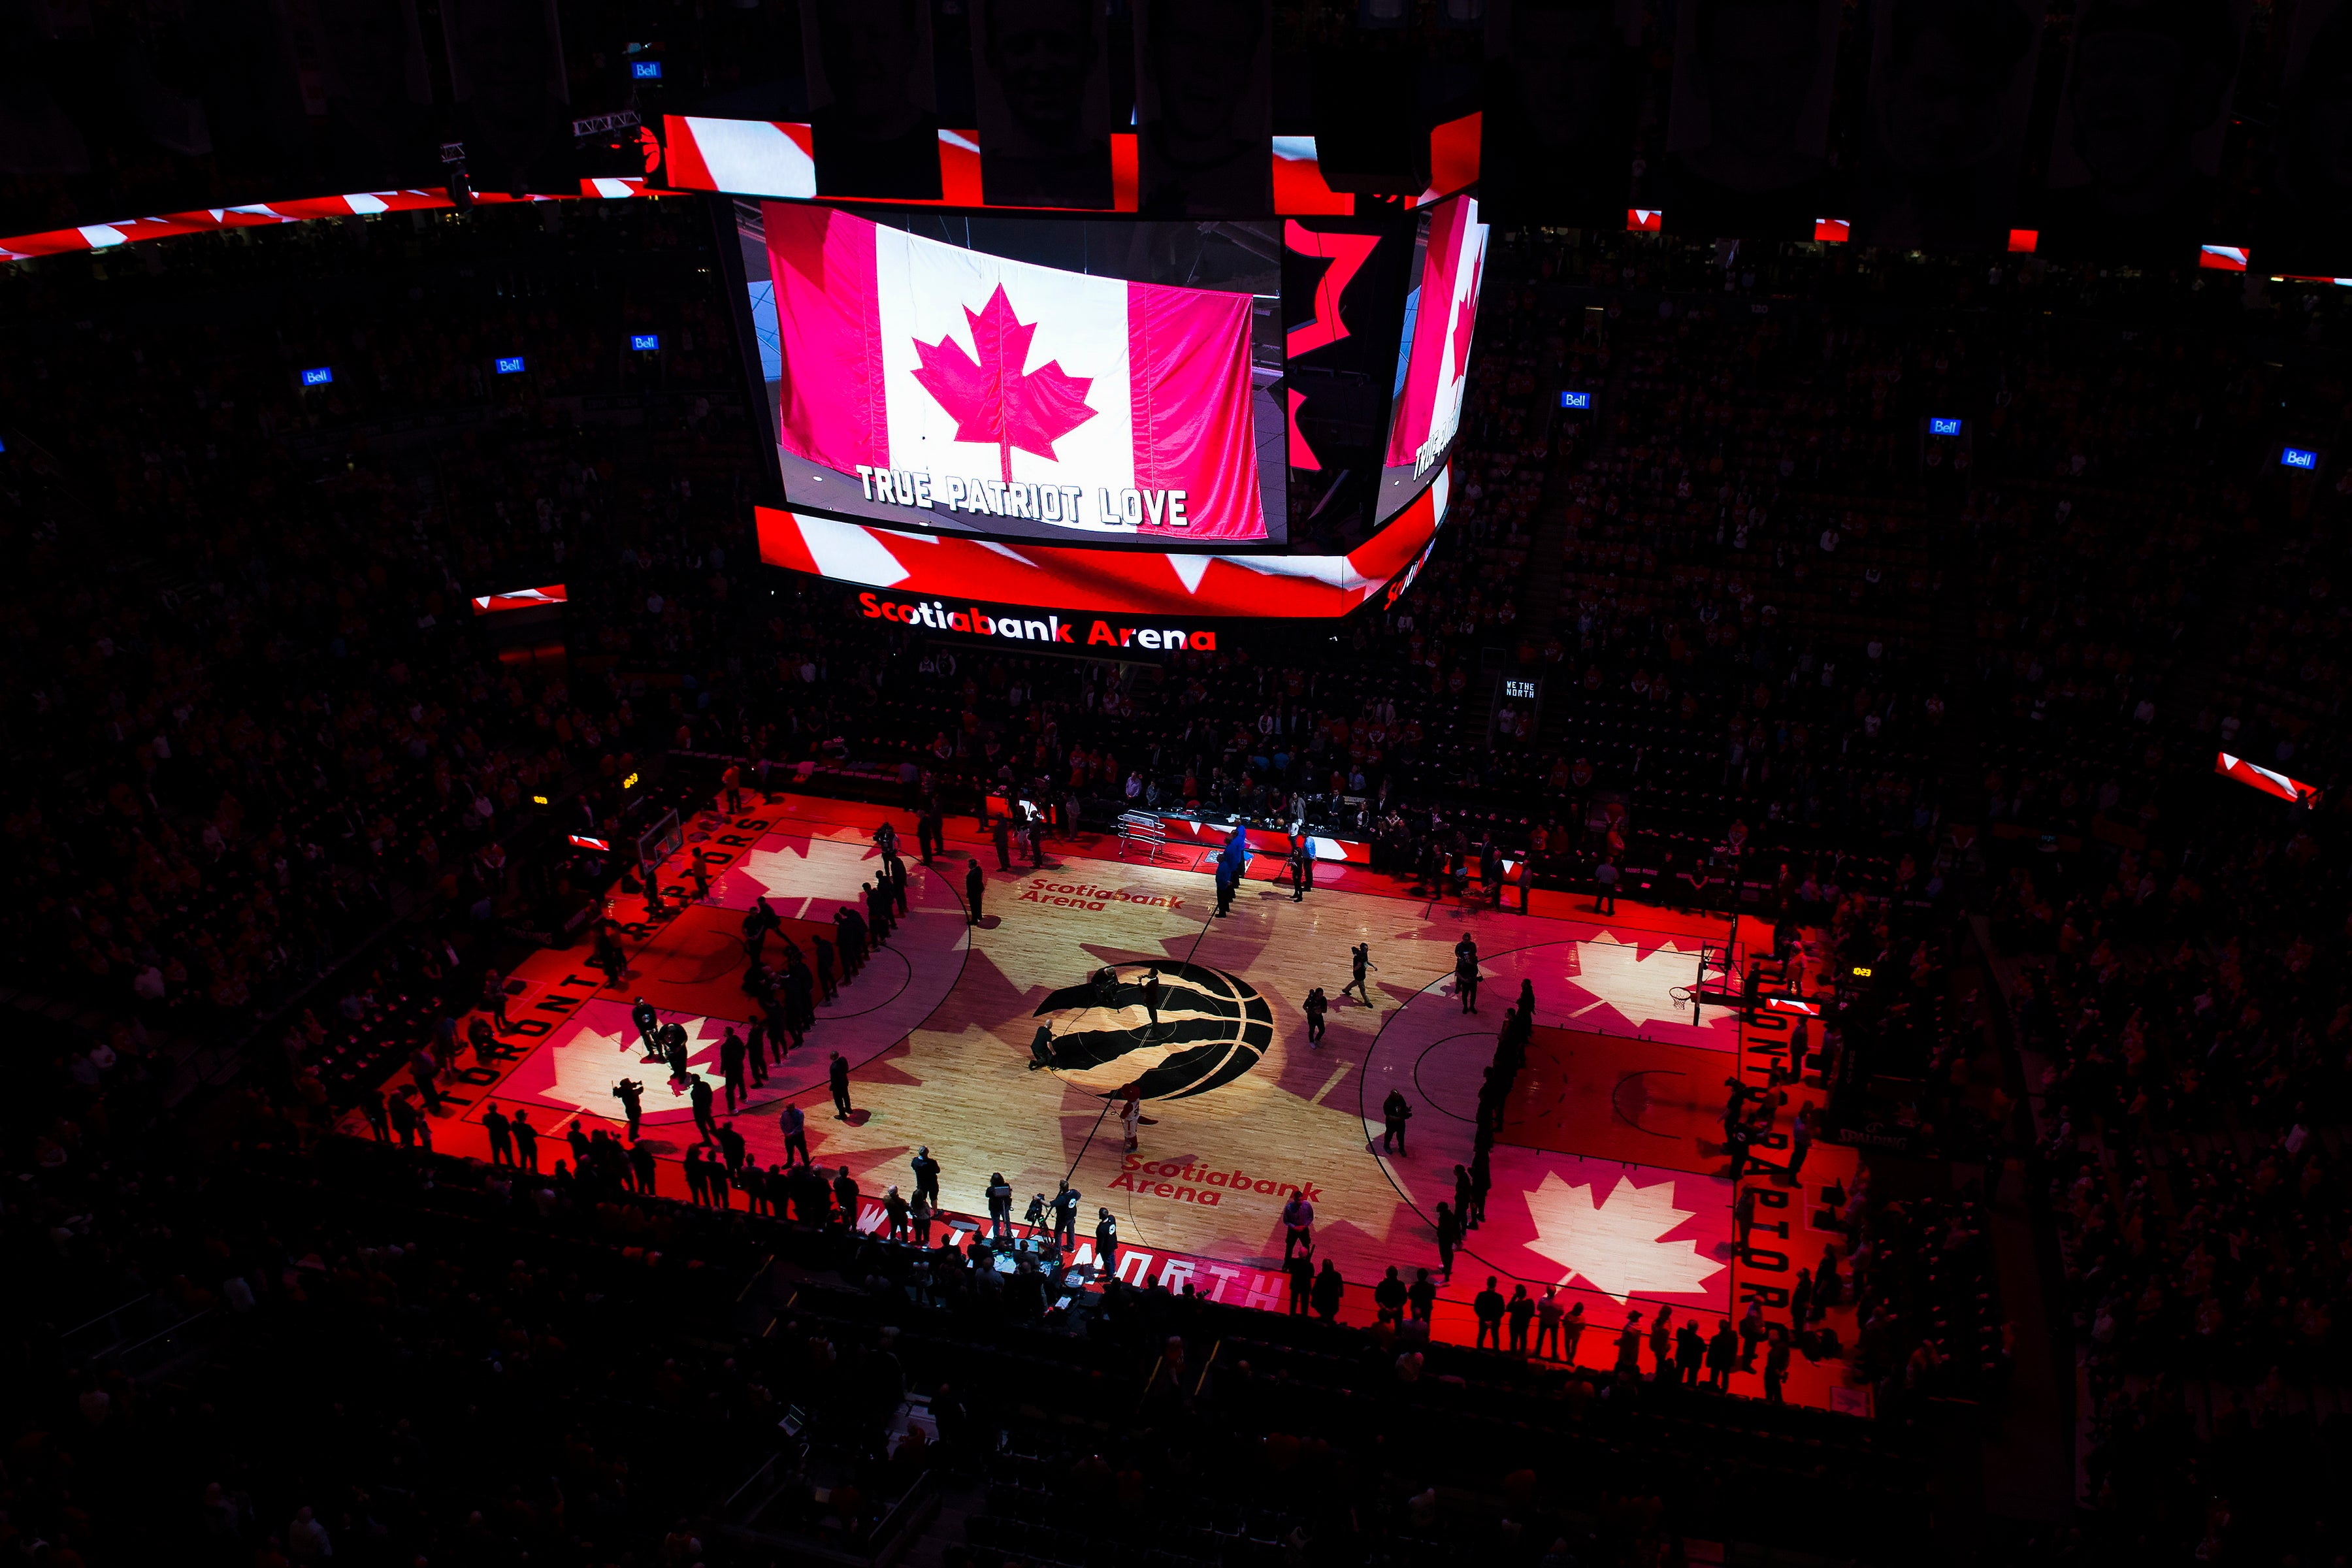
1213	1026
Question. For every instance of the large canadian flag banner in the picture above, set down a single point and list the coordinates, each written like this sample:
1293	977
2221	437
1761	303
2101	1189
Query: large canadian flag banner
945	379
1429	408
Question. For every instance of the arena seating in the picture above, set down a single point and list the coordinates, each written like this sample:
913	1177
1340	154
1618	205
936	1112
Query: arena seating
277	812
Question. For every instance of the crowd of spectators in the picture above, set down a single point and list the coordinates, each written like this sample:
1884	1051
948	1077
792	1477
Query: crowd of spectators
241	1316
253	719
1787	639
2190	1043
2152	592
2108	578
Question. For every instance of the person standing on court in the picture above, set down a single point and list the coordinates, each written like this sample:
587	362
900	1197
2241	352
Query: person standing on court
1233	860
849	933
1465	972
501	1131
1571	1331
1629	1349
1301	1271
631	1096
1487	1305
1390	1296
1001	829
697	1094
930	837
1549	1312
1105	1244
1150	989
836	1075
1801	1141
825	981
648	1022
1065	1219
1302	869
608	957
974	881
1604	883
526	1138
672	1037
424	1067
1422	1296
1722	1356
1297	1223
494	999
1361	956
1315	1005
1000	1208
409	1124
1520	1311
1776	1364
926	1175
1396	1112
1738	1138
1690	1353
1328	1289
731	1056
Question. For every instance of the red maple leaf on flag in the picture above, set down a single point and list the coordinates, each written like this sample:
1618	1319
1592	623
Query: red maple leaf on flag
1465	317
992	400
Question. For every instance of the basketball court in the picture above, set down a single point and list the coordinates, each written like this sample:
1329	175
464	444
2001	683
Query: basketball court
1610	1180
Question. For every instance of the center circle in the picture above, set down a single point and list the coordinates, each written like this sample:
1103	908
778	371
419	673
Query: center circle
1099	1035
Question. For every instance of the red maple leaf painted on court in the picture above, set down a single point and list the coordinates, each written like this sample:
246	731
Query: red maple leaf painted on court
992	400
